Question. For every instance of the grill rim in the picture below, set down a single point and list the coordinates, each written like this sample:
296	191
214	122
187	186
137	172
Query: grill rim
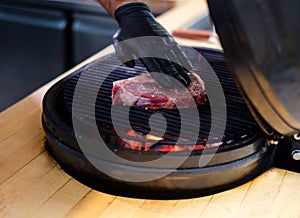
245	169
76	165
57	125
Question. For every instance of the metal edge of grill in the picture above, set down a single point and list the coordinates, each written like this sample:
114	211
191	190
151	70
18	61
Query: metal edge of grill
62	144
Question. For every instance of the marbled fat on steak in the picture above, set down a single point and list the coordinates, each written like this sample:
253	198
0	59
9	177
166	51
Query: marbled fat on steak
143	91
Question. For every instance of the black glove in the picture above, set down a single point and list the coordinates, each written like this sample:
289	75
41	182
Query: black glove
136	20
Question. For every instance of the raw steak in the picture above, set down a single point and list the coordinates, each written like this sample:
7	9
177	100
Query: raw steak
143	91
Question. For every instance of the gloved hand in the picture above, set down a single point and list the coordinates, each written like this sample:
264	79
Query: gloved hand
136	20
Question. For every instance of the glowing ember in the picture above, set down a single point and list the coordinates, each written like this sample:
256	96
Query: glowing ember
137	144
140	141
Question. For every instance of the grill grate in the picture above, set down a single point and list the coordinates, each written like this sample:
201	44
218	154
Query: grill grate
239	124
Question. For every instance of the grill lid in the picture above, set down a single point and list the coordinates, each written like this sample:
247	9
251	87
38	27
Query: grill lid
261	41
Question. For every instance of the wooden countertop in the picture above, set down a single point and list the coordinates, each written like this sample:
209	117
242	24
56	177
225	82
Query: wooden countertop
33	185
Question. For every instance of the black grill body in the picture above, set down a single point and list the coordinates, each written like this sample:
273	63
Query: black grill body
242	153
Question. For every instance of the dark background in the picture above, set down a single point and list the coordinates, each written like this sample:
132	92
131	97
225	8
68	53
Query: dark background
41	39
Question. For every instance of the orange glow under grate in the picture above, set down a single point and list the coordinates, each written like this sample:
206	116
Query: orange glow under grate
150	140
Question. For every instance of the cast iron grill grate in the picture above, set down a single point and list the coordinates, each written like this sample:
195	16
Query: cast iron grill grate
240	125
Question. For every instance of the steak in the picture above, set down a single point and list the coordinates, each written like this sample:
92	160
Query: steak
143	91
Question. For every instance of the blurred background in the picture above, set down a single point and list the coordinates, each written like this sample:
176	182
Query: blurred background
41	39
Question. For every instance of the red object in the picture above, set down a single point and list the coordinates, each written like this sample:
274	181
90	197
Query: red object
143	91
192	34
